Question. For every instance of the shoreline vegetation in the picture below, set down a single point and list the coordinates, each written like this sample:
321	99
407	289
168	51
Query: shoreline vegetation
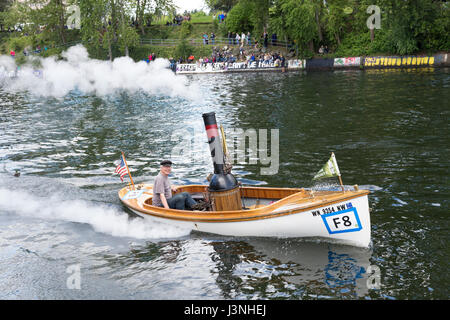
302	30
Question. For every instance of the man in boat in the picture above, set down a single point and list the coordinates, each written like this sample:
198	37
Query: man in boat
162	191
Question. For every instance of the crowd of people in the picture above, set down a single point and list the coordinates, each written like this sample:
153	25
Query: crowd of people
178	19
237	38
27	51
242	38
247	57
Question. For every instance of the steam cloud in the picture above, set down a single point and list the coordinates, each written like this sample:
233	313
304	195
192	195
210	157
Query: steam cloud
56	78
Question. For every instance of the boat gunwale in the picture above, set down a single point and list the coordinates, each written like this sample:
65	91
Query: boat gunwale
264	212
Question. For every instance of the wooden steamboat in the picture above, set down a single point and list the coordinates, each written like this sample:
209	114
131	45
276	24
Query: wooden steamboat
341	216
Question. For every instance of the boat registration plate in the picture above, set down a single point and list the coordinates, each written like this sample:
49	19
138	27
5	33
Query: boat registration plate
342	221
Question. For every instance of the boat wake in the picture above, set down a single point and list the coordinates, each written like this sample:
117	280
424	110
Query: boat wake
101	217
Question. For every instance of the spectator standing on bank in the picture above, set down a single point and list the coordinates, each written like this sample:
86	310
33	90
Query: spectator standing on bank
205	38
321	49
249	39
266	39
237	38
243	38
274	39
213	37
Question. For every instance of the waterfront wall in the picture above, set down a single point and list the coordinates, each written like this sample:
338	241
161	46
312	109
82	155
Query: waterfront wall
219	67
437	60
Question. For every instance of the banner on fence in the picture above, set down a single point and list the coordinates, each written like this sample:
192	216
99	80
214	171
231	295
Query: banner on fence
347	62
236	66
296	64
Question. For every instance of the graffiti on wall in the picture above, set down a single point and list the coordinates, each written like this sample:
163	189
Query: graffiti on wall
398	61
347	62
236	66
296	64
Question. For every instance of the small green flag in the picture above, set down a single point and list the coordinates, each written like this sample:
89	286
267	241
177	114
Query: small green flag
330	169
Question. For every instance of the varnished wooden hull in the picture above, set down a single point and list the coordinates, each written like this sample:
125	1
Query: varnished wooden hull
336	216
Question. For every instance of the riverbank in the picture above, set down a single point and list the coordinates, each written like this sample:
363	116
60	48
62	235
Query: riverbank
370	62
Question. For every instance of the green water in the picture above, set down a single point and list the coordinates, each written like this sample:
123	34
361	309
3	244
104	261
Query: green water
388	129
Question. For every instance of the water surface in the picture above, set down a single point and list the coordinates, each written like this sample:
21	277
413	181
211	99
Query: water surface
388	129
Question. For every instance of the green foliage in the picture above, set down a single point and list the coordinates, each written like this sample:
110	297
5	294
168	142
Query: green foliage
186	29
248	15
407	26
417	25
18	44
183	49
215	25
337	19
222	30
20	59
201	17
128	37
224	5
239	18
142	52
92	18
296	20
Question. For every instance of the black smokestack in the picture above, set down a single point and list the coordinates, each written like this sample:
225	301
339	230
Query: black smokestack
215	146
220	181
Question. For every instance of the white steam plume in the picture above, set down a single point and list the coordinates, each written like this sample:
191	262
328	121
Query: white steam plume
56	78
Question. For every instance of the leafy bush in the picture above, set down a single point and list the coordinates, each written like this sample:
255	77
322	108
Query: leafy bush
183	49
222	30
239	19
186	29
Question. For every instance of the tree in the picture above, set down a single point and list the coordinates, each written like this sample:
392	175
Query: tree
128	36
249	15
96	29
336	15
413	24
145	10
221	5
39	16
260	15
296	19
104	25
3	10
239	18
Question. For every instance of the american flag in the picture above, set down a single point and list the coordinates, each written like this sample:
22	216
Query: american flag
121	169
